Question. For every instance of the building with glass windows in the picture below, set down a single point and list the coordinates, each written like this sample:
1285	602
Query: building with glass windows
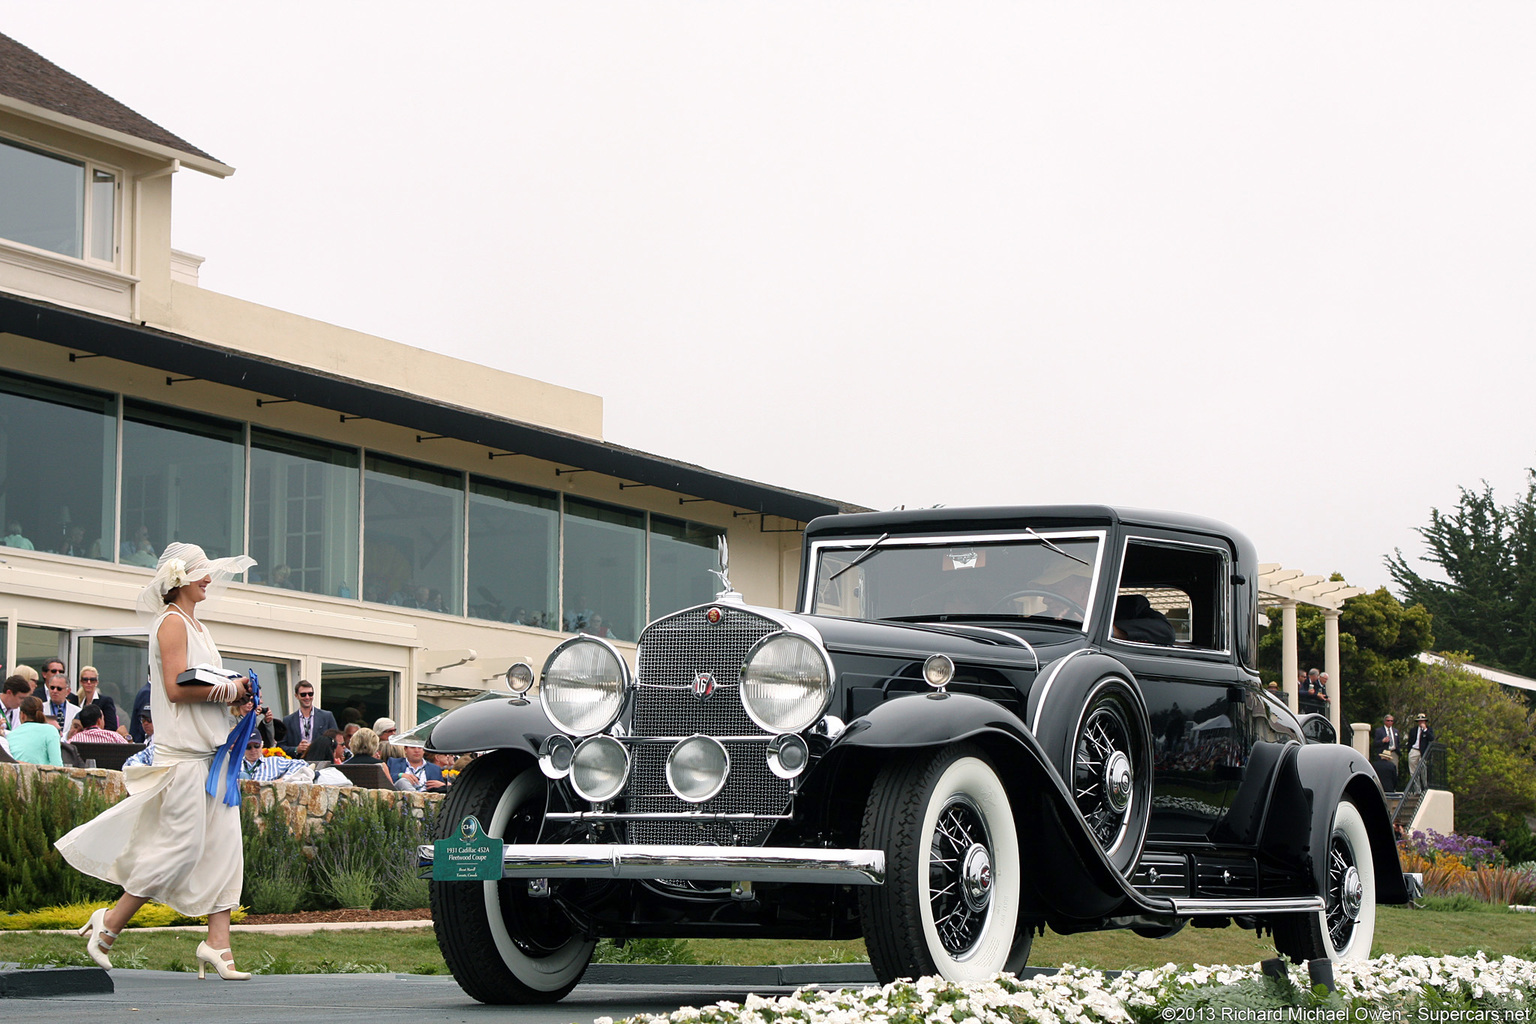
413	540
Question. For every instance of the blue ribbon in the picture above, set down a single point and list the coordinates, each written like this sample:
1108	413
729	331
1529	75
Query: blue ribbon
225	771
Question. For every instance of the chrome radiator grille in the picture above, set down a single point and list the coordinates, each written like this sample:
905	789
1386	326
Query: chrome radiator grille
672	652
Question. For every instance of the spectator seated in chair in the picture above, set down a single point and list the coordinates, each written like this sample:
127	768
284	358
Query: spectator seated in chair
92	730
272	768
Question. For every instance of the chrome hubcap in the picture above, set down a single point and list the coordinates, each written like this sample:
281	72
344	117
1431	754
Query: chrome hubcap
976	878
1354	893
1117	781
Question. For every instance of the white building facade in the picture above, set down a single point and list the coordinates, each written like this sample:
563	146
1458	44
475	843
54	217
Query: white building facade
419	522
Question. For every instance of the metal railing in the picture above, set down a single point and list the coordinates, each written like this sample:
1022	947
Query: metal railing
1430	774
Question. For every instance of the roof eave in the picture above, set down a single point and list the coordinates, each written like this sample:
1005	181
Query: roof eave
122	140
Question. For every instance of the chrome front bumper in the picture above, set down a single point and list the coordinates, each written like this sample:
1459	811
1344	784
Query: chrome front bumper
718	863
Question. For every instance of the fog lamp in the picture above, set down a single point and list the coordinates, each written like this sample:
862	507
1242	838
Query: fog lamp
788	755
599	768
697	768
555	756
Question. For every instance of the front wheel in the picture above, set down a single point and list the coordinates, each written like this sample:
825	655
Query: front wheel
502	945
950	902
1344	929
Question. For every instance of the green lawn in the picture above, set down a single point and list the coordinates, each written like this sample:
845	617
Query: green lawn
1398	931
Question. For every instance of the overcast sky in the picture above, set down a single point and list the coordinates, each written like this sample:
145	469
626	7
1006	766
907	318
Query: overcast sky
1269	263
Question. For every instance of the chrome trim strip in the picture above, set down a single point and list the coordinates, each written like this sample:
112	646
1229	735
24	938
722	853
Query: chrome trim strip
1050	678
755	864
663	816
1276	905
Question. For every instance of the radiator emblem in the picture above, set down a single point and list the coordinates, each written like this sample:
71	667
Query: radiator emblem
713	616
703	685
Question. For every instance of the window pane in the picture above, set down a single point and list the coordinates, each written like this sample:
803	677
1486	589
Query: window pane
58	449
413	543
361	695
604	570
42	201
304	514
514	542
682	555
122	664
103	214
36	646
273	679
183	479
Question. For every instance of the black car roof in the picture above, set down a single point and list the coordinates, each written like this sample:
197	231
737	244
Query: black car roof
923	520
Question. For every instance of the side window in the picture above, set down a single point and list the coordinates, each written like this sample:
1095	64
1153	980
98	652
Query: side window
1172	595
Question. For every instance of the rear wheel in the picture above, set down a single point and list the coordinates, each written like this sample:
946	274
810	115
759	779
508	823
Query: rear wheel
950	902
1344	929
502	945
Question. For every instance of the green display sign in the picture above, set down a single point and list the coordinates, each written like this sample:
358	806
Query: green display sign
469	857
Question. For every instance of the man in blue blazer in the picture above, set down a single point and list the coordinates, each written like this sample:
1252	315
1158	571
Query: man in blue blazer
308	723
414	771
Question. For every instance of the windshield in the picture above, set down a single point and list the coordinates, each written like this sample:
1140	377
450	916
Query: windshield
1041	577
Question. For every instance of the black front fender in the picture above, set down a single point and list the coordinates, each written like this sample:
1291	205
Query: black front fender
492	722
1071	874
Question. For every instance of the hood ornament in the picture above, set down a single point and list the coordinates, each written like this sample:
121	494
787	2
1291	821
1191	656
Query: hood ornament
727	592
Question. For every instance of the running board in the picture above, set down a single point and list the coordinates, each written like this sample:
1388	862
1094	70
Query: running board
1285	905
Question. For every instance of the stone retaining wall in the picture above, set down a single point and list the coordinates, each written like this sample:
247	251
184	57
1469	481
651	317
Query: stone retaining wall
308	806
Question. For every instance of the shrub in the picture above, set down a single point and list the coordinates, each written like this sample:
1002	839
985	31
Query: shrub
1503	886
32	873
276	870
373	841
1472	851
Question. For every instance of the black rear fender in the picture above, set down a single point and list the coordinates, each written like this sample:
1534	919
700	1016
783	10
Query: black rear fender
1330	772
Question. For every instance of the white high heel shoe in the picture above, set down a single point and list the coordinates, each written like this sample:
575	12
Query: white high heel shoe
96	928
208	957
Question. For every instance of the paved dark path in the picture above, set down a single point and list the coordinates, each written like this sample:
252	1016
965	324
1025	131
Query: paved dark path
149	996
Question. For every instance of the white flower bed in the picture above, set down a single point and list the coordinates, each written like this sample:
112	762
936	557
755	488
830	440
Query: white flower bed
1378	989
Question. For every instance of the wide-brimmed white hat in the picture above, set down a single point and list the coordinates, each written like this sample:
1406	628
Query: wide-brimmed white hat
181	564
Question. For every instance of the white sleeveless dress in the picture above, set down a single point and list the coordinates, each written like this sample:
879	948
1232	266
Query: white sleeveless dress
169	840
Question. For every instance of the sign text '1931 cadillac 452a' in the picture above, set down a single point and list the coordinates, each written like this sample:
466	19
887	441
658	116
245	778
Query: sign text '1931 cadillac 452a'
978	723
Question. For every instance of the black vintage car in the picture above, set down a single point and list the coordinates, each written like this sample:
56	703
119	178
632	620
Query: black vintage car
980	723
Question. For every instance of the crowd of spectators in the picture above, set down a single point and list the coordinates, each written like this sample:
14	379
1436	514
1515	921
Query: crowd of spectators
42	718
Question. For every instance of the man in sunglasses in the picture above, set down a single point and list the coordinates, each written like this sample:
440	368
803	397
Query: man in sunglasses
56	703
307	724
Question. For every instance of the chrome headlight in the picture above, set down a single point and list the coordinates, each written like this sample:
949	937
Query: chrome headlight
599	768
697	768
786	682
584	685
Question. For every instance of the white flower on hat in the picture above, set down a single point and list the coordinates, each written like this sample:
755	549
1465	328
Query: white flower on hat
176	574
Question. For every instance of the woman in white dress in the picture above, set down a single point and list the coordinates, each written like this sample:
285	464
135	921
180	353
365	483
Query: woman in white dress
169	840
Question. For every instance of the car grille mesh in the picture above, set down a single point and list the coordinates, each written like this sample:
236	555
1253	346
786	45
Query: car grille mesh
672	652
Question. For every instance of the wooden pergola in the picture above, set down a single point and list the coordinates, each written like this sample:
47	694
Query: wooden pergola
1289	588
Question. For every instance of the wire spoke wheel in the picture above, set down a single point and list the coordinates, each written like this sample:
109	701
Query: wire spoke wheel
960	876
1344	892
1107	783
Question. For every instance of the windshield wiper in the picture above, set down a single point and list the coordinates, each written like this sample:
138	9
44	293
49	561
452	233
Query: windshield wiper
862	555
1047	542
